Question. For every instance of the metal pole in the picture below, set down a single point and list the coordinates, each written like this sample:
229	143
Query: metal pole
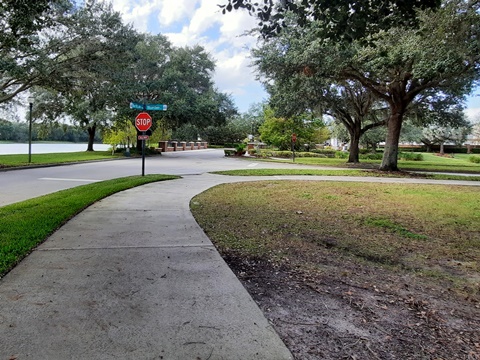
30	135
143	154
293	151
293	145
143	145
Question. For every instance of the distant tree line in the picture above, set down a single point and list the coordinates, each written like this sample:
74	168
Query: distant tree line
18	132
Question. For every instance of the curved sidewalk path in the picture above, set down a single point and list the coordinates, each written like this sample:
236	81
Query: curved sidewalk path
134	277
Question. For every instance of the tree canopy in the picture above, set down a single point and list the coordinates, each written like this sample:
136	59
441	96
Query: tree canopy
83	63
343	20
49	52
420	54
278	131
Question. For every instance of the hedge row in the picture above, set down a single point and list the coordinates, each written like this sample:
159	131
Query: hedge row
332	154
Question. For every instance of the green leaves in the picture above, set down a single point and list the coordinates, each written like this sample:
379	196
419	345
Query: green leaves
402	53
278	130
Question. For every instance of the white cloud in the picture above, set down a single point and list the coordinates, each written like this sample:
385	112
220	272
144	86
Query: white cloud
134	12
236	23
233	73
181	39
201	22
204	17
175	10
473	114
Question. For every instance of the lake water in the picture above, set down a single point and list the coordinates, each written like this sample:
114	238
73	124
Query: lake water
6	149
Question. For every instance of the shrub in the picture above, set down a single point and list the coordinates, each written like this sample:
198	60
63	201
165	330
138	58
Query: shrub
341	155
288	154
326	152
240	147
474	159
309	154
371	156
272	153
410	156
282	154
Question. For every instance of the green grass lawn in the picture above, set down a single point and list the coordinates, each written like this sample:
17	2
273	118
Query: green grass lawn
431	162
26	224
275	172
409	228
55	158
341	172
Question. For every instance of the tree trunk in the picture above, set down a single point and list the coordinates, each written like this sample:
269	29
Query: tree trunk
353	156
91	136
390	155
442	148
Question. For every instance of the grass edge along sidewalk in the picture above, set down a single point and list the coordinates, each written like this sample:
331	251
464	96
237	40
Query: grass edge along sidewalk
27	224
364	173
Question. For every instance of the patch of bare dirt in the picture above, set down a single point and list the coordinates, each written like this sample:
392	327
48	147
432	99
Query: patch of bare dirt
363	312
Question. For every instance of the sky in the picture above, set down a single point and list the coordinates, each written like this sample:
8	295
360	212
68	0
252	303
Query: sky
201	22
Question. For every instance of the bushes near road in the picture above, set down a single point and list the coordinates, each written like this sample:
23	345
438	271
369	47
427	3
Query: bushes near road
474	159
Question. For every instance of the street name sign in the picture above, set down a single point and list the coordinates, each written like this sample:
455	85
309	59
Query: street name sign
160	107
136	106
151	107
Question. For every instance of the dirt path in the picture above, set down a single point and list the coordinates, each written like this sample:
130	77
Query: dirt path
374	314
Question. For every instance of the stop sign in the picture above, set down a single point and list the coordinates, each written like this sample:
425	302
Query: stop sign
143	121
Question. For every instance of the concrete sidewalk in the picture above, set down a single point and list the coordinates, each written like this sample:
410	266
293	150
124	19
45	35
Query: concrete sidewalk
133	277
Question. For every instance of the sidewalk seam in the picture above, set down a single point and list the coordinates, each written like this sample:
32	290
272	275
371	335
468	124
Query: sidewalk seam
130	247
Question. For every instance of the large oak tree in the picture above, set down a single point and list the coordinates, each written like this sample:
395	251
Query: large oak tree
88	84
400	51
179	77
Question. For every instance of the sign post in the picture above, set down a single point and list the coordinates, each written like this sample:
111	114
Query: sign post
143	122
294	140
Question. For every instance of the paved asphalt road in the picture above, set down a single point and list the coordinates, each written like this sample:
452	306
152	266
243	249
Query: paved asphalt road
19	185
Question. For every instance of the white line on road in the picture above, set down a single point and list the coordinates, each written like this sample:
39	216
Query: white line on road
252	164
76	180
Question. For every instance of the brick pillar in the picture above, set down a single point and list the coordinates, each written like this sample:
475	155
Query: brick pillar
163	145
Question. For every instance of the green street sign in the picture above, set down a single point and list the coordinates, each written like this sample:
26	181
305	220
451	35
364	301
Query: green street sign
151	107
160	107
137	106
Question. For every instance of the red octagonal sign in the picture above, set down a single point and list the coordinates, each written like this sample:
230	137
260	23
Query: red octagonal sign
143	121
